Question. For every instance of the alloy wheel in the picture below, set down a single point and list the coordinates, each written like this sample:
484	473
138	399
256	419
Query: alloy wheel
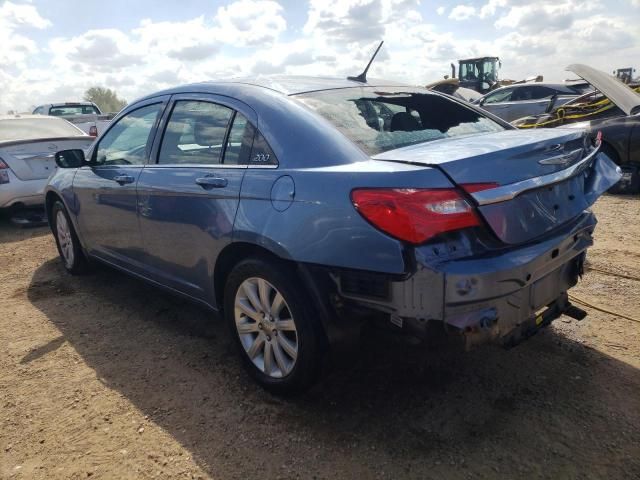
64	238
266	327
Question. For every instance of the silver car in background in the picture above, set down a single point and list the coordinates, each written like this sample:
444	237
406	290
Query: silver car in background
27	147
521	100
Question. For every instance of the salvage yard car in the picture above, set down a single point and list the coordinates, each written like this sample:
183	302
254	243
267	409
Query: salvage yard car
291	206
517	101
613	109
28	144
85	115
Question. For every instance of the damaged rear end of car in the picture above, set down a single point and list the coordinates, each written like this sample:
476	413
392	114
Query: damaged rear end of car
491	255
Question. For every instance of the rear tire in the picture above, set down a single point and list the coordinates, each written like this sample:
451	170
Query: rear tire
69	248
273	325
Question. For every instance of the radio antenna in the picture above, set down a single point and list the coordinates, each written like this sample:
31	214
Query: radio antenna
362	78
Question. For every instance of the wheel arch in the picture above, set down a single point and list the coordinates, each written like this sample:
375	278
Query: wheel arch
49	199
235	252
230	256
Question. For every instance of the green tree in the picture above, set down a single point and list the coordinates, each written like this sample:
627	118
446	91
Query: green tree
105	98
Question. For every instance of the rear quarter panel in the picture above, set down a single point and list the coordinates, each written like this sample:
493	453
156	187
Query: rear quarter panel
320	225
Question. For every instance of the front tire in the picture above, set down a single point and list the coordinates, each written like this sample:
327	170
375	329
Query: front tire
69	248
273	325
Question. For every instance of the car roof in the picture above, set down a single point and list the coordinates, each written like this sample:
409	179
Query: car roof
537	84
285	84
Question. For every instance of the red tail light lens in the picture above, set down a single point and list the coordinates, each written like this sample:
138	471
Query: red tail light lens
476	187
93	131
414	215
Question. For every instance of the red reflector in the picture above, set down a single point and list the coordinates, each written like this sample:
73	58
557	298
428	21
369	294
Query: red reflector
477	187
414	215
3	165
93	131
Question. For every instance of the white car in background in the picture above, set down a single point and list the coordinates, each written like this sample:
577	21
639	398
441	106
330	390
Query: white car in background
84	115
28	144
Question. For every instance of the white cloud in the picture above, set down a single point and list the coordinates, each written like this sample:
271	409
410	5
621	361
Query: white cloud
336	38
462	12
251	22
15	47
15	15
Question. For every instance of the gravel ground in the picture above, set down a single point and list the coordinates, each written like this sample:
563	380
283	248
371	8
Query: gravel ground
102	376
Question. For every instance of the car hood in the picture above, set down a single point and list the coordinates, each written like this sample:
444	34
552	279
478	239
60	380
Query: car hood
621	95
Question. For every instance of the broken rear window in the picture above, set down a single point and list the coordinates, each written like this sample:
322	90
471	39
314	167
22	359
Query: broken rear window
379	120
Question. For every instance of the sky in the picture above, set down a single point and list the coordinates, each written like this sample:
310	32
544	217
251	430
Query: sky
52	51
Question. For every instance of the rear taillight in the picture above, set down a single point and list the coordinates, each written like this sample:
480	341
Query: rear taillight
4	172
416	215
93	131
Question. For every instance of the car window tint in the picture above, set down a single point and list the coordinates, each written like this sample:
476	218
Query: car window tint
126	142
71	110
261	153
533	92
239	142
195	133
501	96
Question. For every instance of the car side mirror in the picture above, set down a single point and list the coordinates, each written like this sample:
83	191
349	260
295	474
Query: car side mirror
70	158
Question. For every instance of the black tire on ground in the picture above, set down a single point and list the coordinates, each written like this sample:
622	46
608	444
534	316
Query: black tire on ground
309	330
630	181
78	264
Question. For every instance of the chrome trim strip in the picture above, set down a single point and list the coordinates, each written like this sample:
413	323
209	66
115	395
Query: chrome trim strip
202	166
508	192
207	166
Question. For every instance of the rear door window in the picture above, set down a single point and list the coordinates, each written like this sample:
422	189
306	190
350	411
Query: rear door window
239	142
195	133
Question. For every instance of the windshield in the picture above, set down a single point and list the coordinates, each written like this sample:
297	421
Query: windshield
34	128
379	119
469	71
68	110
489	71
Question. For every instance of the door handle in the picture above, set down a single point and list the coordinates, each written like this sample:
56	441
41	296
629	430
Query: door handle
211	182
123	179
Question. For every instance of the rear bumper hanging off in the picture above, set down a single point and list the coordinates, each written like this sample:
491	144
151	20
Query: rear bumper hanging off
501	298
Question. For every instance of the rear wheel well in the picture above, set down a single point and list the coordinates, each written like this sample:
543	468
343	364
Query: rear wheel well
229	257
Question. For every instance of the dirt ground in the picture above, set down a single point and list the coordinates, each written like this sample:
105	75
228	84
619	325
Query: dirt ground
102	376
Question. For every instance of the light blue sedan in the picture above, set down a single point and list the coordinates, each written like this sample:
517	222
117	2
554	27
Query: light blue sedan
300	207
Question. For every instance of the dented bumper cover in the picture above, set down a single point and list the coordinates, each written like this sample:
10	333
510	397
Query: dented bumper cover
501	296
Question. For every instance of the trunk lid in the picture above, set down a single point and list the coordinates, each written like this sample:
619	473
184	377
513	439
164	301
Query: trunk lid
34	159
544	178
